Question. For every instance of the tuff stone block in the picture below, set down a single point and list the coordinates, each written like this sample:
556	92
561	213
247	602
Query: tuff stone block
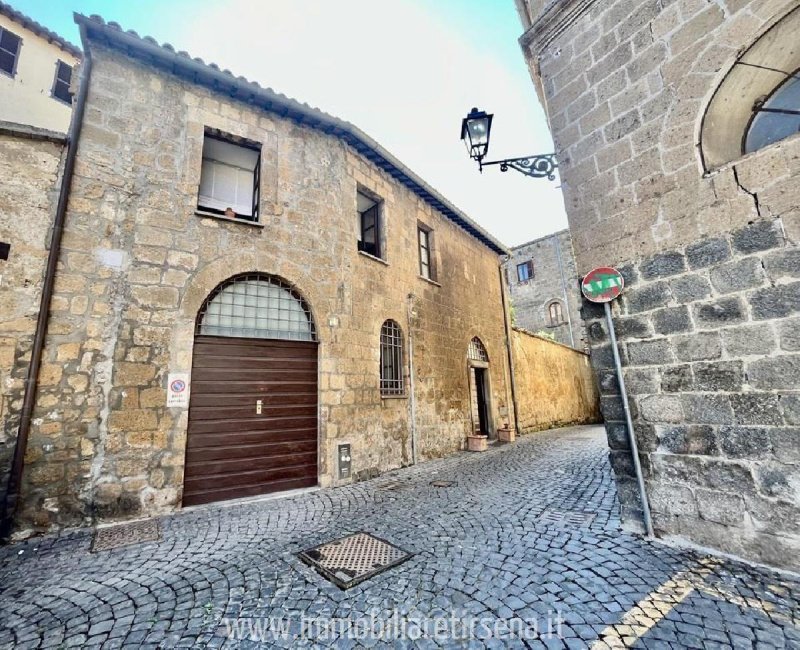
775	372
783	264
759	236
672	320
647	297
737	275
641	381
708	252
744	442
698	347
690	288
693	439
747	340
724	311
777	480
756	408
707	408
775	302
632	327
645	353
676	379
785	444
718	376
790	407
789	332
661	408
721	507
662	265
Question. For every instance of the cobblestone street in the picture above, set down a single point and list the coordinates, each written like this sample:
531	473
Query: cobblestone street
486	550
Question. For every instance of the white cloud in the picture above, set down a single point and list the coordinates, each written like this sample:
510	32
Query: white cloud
406	78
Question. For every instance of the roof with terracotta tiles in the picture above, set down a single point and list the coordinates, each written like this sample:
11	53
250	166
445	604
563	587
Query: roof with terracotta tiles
165	57
40	30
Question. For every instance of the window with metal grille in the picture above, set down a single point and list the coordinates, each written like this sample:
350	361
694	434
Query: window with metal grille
555	313
392	382
9	51
425	239
256	306
61	83
230	176
525	271
477	351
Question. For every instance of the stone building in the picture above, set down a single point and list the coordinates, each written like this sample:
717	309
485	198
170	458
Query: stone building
301	285
36	68
543	286
679	155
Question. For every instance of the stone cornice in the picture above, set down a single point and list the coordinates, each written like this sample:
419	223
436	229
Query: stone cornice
553	21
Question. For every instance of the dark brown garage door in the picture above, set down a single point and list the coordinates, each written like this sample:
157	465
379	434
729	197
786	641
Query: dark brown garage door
234	451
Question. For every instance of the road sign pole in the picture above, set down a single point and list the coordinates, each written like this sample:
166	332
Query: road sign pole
648	523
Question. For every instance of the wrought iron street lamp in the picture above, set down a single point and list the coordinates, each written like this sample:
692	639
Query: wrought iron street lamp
475	130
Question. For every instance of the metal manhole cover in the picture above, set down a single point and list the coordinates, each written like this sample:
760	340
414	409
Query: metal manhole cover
135	532
443	484
353	559
567	518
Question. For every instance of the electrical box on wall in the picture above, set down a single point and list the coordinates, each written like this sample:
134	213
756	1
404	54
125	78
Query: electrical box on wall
345	461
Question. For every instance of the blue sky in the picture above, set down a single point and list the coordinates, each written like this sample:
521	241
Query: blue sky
404	71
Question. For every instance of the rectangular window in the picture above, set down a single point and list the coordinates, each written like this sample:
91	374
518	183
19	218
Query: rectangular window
425	240
9	51
369	218
61	82
230	178
525	271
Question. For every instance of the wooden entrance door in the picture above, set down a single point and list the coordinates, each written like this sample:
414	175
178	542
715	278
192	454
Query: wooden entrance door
252	418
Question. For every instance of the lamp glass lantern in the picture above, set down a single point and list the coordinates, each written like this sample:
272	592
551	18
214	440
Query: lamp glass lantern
475	130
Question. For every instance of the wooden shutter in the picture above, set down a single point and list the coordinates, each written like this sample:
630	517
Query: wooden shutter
256	188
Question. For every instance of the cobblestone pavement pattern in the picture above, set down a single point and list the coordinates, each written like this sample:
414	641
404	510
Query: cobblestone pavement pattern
482	549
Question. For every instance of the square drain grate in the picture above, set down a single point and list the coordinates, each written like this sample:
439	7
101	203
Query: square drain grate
353	559
567	518
135	532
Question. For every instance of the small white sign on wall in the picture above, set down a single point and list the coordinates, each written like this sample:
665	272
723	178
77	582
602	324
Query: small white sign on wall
178	389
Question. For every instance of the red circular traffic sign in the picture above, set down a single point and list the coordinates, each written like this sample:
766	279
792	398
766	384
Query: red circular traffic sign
603	284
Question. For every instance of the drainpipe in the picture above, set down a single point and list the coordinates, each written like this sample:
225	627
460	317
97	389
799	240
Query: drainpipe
11	497
509	351
564	291
412	402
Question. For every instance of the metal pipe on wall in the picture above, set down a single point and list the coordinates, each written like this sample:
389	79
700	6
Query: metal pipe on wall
11	496
412	402
509	351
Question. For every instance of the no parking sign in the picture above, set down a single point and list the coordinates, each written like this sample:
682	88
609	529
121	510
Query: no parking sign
178	389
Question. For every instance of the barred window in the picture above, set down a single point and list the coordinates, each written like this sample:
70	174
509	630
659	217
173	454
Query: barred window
256	306
392	359
477	351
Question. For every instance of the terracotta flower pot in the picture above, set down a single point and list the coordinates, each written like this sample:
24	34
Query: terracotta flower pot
477	443
506	435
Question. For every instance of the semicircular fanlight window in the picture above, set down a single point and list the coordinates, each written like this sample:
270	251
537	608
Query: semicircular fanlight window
256	306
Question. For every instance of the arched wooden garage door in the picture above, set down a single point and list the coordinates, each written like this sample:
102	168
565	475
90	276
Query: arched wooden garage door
253	406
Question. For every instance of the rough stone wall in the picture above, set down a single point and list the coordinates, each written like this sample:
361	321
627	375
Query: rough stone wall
555	278
29	171
711	259
556	385
137	263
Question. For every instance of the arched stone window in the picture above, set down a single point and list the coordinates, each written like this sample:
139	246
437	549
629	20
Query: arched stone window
555	313
258	306
392	382
758	101
477	351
